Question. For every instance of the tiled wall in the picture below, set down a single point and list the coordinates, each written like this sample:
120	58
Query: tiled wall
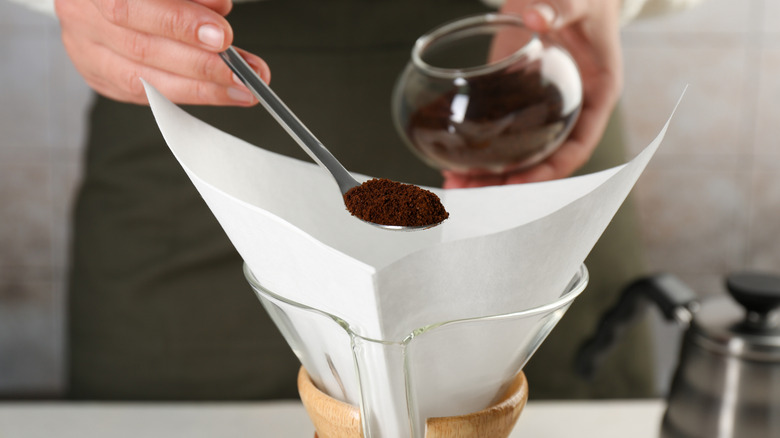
709	201
42	102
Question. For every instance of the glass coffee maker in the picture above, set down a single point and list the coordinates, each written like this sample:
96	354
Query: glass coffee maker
446	372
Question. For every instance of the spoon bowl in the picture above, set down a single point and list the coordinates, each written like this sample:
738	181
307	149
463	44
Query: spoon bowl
298	131
402	227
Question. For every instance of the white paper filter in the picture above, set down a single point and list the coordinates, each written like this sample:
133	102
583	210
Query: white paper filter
503	249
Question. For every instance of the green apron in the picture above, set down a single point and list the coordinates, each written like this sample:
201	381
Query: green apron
158	305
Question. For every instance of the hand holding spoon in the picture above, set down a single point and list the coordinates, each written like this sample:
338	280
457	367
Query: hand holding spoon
348	185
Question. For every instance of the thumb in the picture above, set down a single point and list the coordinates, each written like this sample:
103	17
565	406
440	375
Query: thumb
547	15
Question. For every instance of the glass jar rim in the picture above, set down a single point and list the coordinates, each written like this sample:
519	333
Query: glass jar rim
425	41
573	289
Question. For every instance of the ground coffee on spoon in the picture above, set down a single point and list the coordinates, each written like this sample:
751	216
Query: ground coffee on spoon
386	202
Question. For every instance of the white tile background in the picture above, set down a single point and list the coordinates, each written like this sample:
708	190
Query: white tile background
709	203
38	148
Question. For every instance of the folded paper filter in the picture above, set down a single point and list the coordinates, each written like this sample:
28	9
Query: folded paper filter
405	325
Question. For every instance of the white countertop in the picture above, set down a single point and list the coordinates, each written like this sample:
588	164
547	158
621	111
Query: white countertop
602	419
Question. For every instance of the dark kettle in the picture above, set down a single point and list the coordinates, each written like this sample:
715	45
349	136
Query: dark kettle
727	380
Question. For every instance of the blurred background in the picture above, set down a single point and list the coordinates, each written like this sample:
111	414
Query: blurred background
709	201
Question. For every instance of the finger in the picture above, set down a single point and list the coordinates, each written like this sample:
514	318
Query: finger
221	7
566	160
180	20
573	153
178	58
546	15
257	63
120	79
562	164
459	180
154	51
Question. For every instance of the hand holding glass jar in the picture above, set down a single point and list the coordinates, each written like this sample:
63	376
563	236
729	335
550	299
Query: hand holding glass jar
589	31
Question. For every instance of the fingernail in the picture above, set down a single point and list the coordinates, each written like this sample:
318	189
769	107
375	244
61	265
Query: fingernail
211	36
545	11
240	95
237	80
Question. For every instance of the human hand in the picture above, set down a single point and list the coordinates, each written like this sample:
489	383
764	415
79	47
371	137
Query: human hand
172	44
589	30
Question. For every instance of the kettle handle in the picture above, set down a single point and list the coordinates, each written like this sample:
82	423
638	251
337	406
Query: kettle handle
675	300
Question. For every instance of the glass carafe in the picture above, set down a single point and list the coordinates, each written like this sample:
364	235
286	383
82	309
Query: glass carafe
444	369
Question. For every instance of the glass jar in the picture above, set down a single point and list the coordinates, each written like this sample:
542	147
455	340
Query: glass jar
486	94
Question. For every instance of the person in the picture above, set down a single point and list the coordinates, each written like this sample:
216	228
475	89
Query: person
158	306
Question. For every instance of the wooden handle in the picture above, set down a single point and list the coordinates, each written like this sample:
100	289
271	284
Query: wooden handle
336	419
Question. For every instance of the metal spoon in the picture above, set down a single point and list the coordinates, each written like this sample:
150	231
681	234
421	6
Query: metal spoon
297	130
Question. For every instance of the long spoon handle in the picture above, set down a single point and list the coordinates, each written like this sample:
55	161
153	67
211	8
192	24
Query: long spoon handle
271	102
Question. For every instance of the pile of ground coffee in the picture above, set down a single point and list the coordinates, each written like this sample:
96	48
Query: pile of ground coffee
494	122
386	202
